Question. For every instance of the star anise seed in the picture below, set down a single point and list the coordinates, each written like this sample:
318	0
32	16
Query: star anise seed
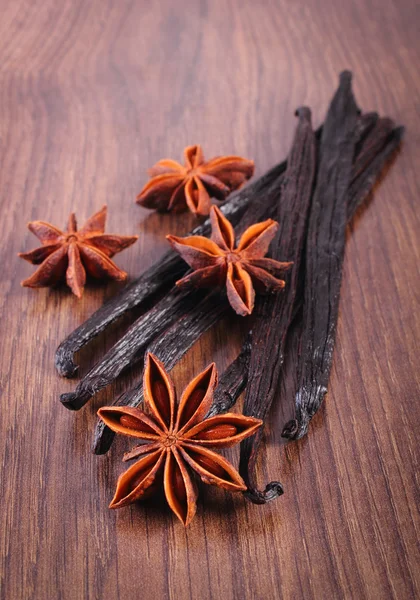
175	441
174	187
216	261
71	254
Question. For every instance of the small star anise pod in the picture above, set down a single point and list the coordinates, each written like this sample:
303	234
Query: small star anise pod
70	254
174	187
176	441
216	261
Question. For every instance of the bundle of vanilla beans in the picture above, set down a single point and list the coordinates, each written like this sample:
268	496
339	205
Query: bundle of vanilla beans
313	196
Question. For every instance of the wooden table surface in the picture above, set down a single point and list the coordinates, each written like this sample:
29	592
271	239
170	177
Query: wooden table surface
91	95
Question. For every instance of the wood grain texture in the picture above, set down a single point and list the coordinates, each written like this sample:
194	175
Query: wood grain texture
93	93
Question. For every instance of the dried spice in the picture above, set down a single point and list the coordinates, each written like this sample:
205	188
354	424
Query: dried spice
382	143
233	381
216	261
274	314
162	275
174	343
325	248
130	347
176	441
73	253
174	187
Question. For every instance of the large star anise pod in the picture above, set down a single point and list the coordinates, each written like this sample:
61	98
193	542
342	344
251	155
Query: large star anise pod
176	187
217	262
70	254
176	440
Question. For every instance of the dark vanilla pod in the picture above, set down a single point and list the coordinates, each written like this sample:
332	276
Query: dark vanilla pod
233	381
130	347
383	144
325	248
274	313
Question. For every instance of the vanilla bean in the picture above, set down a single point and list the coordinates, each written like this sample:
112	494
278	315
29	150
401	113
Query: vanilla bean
274	313
158	278
365	124
130	348
309	396
232	382
103	435
370	165
325	247
175	342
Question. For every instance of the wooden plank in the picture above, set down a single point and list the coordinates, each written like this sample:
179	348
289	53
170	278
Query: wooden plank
91	95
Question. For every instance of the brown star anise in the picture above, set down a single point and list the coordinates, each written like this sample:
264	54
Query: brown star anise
72	253
176	187
176	440
216	261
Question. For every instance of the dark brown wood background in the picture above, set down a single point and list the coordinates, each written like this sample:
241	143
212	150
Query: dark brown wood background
93	93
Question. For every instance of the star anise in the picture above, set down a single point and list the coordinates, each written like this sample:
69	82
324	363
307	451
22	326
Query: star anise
70	254
217	262
176	441
174	187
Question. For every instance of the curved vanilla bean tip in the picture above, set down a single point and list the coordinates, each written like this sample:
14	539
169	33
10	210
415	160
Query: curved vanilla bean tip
75	400
290	429
64	362
272	491
304	113
248	456
296	428
345	77
103	438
